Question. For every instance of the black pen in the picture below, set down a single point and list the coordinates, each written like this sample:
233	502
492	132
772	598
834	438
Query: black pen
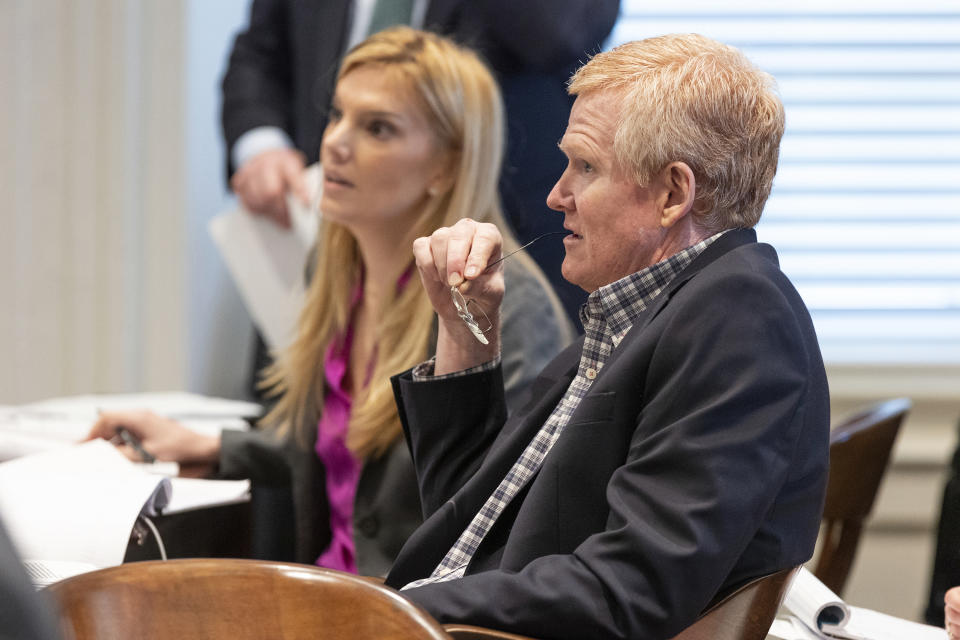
134	443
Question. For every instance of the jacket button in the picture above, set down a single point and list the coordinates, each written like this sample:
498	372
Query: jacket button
368	526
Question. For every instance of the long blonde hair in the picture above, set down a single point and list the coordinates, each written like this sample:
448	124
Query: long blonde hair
465	110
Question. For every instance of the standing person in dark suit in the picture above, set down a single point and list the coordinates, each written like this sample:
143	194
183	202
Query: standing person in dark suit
280	78
678	450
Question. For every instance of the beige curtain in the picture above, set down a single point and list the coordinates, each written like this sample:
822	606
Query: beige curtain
92	241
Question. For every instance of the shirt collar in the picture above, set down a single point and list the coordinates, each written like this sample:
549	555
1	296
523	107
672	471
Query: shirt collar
621	302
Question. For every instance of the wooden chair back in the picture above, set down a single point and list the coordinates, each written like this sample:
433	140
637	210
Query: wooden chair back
860	448
745	614
234	600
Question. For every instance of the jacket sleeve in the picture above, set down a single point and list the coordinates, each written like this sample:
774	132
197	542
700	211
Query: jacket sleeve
257	86
721	429
257	455
456	421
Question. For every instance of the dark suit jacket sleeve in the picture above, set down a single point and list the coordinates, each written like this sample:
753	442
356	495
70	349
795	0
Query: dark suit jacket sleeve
457	419
257	85
722	403
255	454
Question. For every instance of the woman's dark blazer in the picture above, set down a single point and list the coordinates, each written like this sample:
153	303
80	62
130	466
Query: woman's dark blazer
387	505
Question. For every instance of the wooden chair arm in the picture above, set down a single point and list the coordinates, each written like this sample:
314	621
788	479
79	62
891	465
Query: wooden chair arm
471	632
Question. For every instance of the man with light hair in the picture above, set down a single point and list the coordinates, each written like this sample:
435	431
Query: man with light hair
679	449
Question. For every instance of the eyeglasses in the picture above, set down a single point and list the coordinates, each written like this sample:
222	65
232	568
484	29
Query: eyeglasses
470	310
466	310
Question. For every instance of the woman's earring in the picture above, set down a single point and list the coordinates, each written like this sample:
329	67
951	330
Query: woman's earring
433	191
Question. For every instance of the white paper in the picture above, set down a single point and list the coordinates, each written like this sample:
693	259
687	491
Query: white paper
195	493
60	422
267	261
880	626
43	574
77	504
811	604
814	603
173	404
787	627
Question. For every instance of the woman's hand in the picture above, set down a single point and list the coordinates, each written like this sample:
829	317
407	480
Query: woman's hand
161	437
458	256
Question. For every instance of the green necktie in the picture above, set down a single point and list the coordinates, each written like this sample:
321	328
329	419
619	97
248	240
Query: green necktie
387	13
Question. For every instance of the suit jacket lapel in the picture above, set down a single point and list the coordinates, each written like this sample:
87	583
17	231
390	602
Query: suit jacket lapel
723	245
519	430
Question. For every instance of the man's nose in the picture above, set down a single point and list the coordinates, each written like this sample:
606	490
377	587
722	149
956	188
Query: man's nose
560	198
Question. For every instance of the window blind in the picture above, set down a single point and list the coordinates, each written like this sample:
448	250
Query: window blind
865	209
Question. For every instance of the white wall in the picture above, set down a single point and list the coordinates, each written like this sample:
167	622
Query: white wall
92	236
220	331
111	165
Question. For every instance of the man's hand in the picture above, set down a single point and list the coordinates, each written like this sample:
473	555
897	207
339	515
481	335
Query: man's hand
161	437
458	256
952	612
263	181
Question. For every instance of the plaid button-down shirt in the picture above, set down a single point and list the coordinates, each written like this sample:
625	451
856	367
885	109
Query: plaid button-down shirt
607	316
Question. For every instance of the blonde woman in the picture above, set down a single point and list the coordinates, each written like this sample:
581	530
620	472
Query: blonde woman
414	142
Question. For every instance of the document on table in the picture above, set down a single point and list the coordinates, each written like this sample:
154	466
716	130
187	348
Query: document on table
811	611
73	509
173	404
267	261
195	493
61	422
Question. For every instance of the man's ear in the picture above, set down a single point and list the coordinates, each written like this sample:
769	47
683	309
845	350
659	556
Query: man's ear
679	192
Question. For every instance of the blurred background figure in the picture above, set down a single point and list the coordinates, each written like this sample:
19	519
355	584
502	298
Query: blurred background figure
414	142
277	89
945	571
24	614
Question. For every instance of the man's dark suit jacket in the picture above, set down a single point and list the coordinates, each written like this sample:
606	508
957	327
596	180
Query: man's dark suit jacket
697	460
283	68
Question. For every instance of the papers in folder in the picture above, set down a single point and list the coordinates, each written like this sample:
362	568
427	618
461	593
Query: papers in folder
70	507
267	262
811	611
72	510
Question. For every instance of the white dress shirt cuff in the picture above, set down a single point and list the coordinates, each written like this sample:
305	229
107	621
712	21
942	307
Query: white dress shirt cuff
258	140
424	371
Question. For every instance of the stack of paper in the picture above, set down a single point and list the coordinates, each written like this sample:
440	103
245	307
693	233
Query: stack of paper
60	422
72	509
811	611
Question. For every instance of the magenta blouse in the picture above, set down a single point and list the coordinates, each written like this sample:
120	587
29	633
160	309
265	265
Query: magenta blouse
342	469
